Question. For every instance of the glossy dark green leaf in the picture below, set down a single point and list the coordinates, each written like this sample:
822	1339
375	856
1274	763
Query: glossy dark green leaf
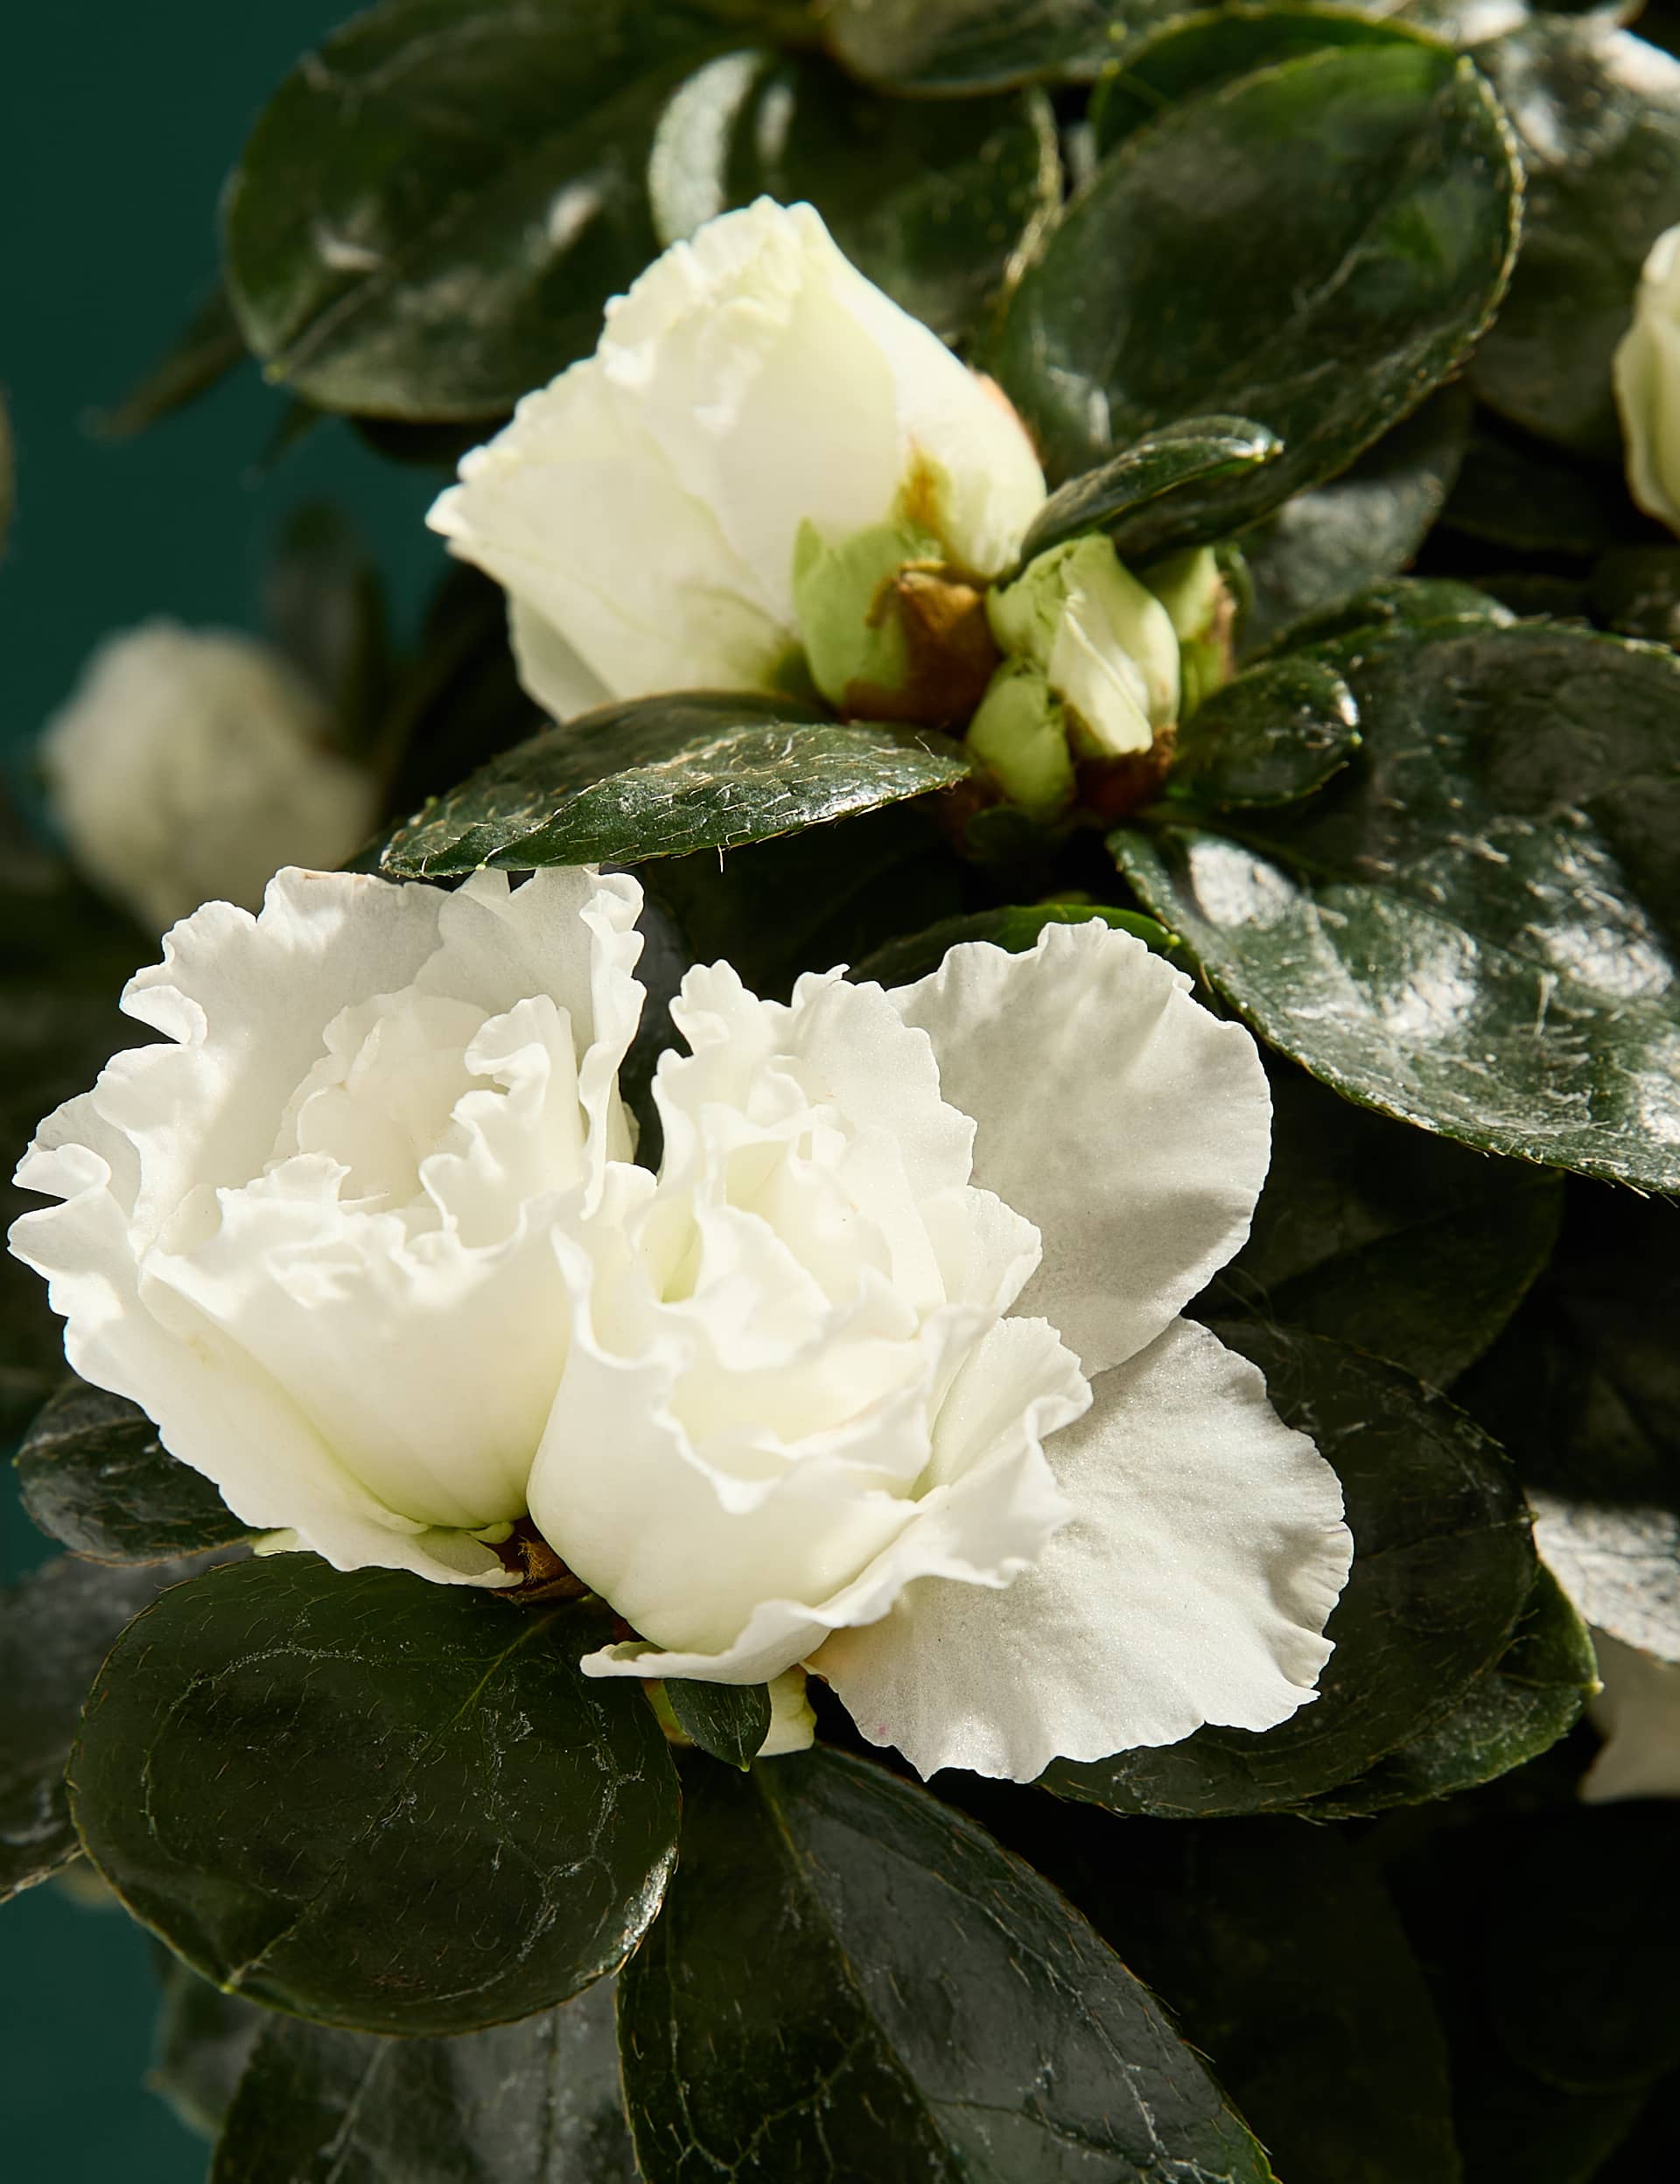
1597	114
1281	1958
202	2044
1620	1564
95	1476
850	1980
1584	1387
325	611
1635	591
1158	494
731	1721
535	2103
1402	1243
931	202
1197	50
1517	492
1532	1695
831	895
1271	736
1475	929
1414	602
207	349
1443	1564
971	45
1340	538
1016	927
664	776
376	1801
1581	1978
56	1627
1176	284
435	167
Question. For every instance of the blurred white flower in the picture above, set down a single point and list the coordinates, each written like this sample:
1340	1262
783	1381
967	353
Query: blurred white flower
642	511
1647	375
189	766
882	1374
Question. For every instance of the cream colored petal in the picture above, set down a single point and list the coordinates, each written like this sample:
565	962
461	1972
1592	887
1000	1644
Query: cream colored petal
1205	1553
1128	1125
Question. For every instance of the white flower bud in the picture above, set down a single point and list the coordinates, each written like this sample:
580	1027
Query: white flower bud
189	766
642	510
1646	374
1104	642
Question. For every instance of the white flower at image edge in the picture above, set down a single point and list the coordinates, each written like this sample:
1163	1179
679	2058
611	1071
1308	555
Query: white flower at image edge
883	1373
641	511
189	765
1647	375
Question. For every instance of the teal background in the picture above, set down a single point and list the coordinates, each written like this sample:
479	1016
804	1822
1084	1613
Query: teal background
117	124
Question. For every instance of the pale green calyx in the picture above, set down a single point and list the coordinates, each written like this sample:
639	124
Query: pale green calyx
890	632
1105	644
1020	735
1192	587
840	593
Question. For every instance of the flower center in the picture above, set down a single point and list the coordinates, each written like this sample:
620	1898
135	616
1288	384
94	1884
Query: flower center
383	1096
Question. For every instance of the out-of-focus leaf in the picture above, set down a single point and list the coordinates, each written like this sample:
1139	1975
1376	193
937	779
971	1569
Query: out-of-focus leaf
95	1476
207	349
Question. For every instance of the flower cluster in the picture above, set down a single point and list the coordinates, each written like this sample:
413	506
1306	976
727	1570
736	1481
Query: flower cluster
882	1374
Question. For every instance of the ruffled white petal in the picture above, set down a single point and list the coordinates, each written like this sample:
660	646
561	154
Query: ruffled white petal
1130	1126
310	1236
987	1506
1206	1554
641	511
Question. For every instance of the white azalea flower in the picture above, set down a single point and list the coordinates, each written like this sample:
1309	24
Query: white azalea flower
642	510
189	766
882	1374
311	1234
1647	375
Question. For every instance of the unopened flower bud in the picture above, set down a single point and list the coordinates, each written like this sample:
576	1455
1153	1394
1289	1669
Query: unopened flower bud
1192	587
1020	736
1105	643
891	633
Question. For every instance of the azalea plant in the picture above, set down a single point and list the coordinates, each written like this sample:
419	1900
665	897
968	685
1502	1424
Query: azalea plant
859	1360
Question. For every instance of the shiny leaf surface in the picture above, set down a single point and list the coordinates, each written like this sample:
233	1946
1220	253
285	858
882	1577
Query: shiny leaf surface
1474	930
95	1476
663	776
1533	1695
1176	282
1403	1244
1339	538
535	2103
931	202
1443	1565
849	1979
289	1772
1161	494
968	45
1270	736
729	1720
1016	927
1597	114
56	1627
435	168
